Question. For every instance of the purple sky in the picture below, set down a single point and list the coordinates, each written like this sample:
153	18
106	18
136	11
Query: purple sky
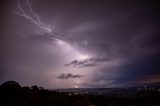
79	43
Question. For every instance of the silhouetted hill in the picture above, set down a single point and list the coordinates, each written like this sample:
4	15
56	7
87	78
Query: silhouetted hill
12	94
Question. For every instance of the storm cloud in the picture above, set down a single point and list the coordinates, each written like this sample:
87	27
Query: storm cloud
88	62
99	43
69	76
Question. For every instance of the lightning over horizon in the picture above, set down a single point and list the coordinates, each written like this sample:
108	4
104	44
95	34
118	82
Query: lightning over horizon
79	43
63	44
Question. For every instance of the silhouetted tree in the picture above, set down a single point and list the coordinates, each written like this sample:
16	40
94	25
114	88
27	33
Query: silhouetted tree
12	94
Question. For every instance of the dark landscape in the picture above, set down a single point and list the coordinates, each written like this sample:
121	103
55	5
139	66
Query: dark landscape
12	94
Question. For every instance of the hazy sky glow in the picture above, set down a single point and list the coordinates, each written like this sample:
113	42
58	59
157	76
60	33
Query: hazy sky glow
79	43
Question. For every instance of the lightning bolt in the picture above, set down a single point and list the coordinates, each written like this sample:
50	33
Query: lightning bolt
32	16
25	10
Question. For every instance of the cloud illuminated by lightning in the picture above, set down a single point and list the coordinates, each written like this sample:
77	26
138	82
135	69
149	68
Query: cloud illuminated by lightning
32	16
25	10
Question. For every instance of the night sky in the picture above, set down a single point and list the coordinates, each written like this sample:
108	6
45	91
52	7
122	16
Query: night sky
79	43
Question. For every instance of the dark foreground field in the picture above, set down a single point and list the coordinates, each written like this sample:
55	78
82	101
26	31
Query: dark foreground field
12	94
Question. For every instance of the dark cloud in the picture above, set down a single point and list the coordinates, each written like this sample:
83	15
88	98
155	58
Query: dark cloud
88	65
69	76
90	62
132	73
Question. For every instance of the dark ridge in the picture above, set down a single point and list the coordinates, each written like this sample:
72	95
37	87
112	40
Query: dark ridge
12	94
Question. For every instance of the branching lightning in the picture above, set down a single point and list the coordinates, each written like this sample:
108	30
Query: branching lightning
32	16
25	10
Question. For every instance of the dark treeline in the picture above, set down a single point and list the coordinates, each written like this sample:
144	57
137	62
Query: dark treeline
12	94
